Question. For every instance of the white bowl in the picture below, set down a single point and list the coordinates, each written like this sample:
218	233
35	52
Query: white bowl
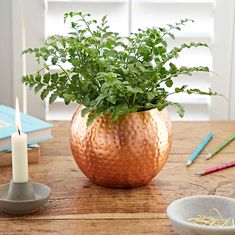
183	209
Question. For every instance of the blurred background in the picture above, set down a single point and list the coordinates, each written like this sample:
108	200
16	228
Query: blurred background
27	23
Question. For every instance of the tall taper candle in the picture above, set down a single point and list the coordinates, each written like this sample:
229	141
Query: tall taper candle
19	152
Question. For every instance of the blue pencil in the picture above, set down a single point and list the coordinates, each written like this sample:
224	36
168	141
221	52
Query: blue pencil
202	145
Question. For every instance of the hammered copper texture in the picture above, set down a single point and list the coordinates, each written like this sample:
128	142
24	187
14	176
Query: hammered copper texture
122	154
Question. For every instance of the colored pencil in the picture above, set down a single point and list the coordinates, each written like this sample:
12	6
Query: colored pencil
217	168
219	147
202	145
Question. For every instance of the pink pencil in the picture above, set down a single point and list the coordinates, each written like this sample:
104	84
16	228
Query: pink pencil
217	168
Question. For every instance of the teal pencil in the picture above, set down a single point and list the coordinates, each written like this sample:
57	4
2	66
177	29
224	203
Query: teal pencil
202	145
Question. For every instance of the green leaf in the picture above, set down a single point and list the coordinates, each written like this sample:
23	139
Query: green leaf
181	89
119	110
179	108
134	89
44	93
112	99
38	87
169	83
52	98
54	78
85	111
29	50
68	97
91	119
38	78
46	78
54	60
173	68
45	57
150	95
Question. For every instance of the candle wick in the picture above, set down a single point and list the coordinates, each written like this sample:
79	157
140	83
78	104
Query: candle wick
18	130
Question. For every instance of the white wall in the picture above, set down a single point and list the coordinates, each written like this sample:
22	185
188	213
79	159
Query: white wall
6	92
232	92
222	60
20	30
33	12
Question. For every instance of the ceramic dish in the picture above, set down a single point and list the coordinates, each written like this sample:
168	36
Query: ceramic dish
183	209
42	194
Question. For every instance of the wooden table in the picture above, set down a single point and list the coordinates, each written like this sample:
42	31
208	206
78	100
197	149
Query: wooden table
77	206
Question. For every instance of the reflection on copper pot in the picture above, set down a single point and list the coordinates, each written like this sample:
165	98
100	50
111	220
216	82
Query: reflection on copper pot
122	154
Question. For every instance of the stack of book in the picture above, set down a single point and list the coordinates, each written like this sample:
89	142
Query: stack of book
36	130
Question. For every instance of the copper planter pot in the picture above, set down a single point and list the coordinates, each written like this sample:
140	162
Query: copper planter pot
123	154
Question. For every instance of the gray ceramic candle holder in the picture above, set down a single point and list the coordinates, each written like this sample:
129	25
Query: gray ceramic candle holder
23	198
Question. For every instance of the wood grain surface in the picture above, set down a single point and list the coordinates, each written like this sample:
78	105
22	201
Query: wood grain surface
77	206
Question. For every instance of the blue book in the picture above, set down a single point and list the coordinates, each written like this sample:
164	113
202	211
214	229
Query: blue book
36	129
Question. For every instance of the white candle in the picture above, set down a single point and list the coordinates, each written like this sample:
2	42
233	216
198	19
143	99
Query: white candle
19	152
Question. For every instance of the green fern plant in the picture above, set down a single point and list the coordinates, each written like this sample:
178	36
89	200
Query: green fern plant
109	74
